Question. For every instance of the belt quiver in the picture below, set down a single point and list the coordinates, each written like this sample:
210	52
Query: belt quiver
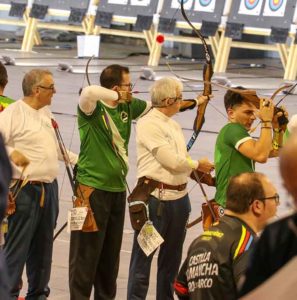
138	202
207	217
83	193
11	197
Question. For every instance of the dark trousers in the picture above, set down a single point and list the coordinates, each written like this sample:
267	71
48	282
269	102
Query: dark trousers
29	239
4	282
94	256
172	227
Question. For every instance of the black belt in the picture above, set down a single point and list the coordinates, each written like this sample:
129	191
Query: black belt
35	182
29	181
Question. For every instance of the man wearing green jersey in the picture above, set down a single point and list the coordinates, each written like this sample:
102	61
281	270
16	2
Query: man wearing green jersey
292	126
104	125
4	101
235	150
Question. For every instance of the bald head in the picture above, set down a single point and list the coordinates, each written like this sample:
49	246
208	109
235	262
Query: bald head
252	198
243	189
288	165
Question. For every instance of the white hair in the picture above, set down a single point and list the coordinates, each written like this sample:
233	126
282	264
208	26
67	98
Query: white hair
167	87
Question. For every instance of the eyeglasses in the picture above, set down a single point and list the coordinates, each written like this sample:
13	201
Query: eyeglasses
275	198
180	98
52	87
130	85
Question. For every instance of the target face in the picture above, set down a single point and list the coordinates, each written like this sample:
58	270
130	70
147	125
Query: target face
275	8
251	4
205	6
205	2
250	7
275	5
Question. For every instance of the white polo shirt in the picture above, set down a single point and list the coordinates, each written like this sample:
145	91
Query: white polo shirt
30	131
156	131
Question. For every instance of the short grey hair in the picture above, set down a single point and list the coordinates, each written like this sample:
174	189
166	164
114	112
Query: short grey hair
32	79
167	87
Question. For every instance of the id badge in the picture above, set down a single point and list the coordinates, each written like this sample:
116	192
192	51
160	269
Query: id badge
149	238
76	218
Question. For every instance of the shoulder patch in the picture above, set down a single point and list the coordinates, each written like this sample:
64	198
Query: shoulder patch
244	243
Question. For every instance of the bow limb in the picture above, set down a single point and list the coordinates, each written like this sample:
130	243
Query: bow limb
207	90
290	87
87	69
207	74
198	33
283	120
69	169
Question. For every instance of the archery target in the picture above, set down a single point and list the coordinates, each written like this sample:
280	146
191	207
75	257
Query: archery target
250	7
187	4
120	2
275	8
205	5
275	5
140	2
251	4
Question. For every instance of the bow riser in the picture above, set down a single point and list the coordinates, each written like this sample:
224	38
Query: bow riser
207	74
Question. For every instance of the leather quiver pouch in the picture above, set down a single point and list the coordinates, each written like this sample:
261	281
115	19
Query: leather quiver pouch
11	206
138	202
83	193
207	217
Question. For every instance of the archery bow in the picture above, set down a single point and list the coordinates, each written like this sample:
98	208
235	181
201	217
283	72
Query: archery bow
87	69
70	171
86	76
207	74
62	147
199	120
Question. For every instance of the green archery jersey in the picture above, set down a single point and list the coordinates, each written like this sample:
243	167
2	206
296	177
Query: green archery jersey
4	102
228	160
99	165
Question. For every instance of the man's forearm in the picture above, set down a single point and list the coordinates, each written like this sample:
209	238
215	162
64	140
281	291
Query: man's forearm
93	93
264	144
173	161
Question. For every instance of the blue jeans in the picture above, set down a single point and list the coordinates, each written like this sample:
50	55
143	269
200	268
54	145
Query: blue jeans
172	227
29	240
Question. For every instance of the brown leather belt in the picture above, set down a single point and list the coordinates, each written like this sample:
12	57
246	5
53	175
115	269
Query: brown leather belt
161	185
166	186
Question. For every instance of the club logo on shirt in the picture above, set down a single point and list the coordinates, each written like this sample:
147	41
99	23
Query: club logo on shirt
124	117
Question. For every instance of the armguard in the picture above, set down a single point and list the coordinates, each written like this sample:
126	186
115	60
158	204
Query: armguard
204	178
187	104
